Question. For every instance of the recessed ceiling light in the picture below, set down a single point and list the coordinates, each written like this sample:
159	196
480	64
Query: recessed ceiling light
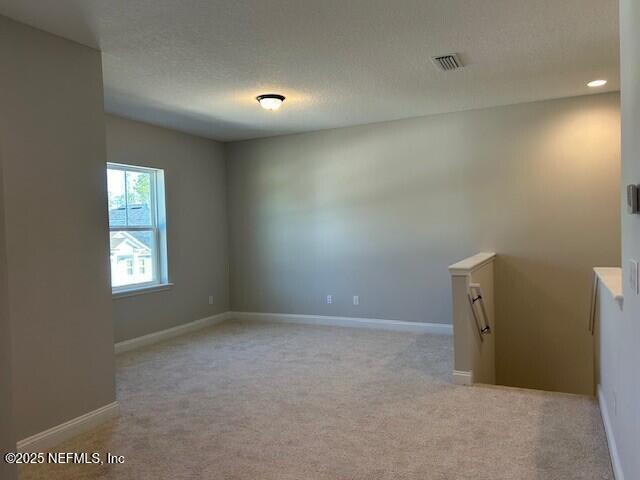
270	101
596	83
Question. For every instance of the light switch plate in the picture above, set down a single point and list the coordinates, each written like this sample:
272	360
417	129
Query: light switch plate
633	276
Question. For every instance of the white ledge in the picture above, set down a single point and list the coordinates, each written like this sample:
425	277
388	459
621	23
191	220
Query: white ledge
141	291
611	278
469	264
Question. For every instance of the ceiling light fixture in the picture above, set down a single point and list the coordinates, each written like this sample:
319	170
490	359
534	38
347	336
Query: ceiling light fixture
596	83
270	101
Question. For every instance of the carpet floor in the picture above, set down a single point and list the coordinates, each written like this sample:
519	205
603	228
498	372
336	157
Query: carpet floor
265	401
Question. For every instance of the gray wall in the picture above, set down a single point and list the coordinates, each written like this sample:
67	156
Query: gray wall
628	403
7	437
196	226
53	155
381	210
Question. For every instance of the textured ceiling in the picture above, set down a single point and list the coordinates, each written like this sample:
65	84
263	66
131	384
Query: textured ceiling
197	65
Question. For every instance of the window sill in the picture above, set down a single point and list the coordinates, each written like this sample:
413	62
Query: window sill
140	291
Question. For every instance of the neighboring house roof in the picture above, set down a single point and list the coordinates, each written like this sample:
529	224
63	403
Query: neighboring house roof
137	240
139	214
117	241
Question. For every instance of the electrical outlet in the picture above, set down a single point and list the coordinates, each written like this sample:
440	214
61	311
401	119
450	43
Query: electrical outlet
210	299
329	299
356	300
633	276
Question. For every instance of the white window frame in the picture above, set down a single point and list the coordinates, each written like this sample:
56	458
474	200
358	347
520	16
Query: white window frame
157	226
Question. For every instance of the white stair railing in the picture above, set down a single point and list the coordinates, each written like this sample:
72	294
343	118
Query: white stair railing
481	318
472	285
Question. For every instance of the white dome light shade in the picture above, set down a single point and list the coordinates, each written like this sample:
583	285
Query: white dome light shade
596	83
270	101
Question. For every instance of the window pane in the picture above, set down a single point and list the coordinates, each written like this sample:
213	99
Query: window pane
132	254
115	186
136	256
139	199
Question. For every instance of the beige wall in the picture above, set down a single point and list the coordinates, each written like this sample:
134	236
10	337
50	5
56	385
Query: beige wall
196	226
627	419
53	154
7	437
381	210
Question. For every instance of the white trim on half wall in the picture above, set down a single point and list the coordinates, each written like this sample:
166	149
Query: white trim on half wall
460	377
616	464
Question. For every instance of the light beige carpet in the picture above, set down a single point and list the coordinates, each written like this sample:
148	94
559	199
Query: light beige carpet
268	401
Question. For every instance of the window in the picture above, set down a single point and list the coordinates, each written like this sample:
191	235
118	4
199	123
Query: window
136	227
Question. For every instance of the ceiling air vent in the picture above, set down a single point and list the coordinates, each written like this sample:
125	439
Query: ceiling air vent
448	62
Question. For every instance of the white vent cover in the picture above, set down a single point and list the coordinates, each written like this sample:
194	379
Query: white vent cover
447	62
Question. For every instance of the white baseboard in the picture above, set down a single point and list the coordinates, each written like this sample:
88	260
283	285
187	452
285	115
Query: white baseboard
60	433
353	322
156	337
375	323
462	378
611	441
